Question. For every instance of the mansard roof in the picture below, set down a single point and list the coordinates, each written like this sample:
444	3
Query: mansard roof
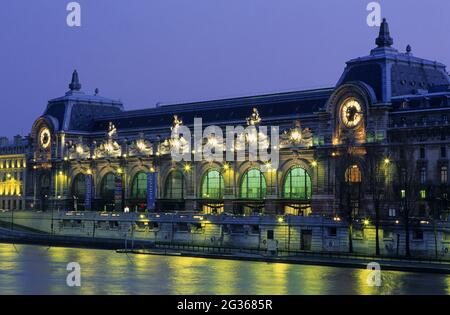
77	110
273	106
400	79
392	73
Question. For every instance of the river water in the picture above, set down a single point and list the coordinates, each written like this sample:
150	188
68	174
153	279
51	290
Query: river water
26	269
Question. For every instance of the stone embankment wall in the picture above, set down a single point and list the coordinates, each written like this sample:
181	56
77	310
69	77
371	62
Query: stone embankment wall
286	233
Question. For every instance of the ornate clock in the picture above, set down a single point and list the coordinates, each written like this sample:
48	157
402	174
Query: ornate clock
44	138
351	113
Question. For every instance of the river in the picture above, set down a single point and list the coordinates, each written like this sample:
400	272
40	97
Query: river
27	269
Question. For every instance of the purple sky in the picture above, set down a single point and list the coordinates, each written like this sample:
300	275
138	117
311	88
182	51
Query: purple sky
149	51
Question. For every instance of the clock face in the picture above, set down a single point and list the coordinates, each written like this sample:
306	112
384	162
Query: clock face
351	113
44	138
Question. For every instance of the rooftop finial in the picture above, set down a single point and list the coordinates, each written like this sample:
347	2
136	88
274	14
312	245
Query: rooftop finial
384	39
408	49
75	84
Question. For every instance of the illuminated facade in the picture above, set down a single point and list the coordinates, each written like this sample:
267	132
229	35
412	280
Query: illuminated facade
385	122
13	175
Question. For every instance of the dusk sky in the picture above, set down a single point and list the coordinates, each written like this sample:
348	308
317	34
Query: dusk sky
170	51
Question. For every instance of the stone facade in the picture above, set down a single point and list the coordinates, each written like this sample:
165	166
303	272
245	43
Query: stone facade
376	144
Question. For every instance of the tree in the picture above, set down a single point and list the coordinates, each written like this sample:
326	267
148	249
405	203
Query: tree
350	189
408	187
377	165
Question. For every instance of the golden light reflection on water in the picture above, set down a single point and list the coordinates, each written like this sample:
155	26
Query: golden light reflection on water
42	270
447	282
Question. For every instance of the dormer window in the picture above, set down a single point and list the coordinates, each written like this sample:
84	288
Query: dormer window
422	153
423	120
443	152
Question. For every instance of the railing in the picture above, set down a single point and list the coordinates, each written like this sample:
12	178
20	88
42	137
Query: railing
292	253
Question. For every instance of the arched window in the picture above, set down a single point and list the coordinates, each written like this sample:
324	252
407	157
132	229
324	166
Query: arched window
213	185
297	184
353	174
174	187
253	185
79	186
108	185
139	186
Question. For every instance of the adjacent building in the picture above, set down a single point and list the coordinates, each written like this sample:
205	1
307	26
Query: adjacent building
13	173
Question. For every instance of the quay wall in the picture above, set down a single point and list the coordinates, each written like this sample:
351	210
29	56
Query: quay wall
265	233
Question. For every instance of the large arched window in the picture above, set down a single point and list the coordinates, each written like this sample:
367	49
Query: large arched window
139	186
353	174
253	185
213	185
107	186
174	187
297	184
79	186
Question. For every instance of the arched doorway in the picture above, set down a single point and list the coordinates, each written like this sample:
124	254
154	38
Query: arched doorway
138	196
174	186
44	189
352	189
297	190
212	190
79	192
174	192
107	190
253	189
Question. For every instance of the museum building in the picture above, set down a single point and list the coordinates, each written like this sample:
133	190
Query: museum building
379	138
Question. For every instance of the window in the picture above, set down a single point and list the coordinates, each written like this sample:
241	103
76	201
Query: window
423	194
417	235
270	234
358	234
444	175
423	175
212	185
297	184
388	235
446	236
353	174
443	152
108	185
392	212
403	175
332	232
423	120
139	186
403	194
79	186
174	188
253	185
422	153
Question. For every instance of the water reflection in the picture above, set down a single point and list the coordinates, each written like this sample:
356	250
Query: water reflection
28	269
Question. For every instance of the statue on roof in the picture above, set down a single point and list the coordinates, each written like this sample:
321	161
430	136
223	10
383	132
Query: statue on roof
111	130
254	118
